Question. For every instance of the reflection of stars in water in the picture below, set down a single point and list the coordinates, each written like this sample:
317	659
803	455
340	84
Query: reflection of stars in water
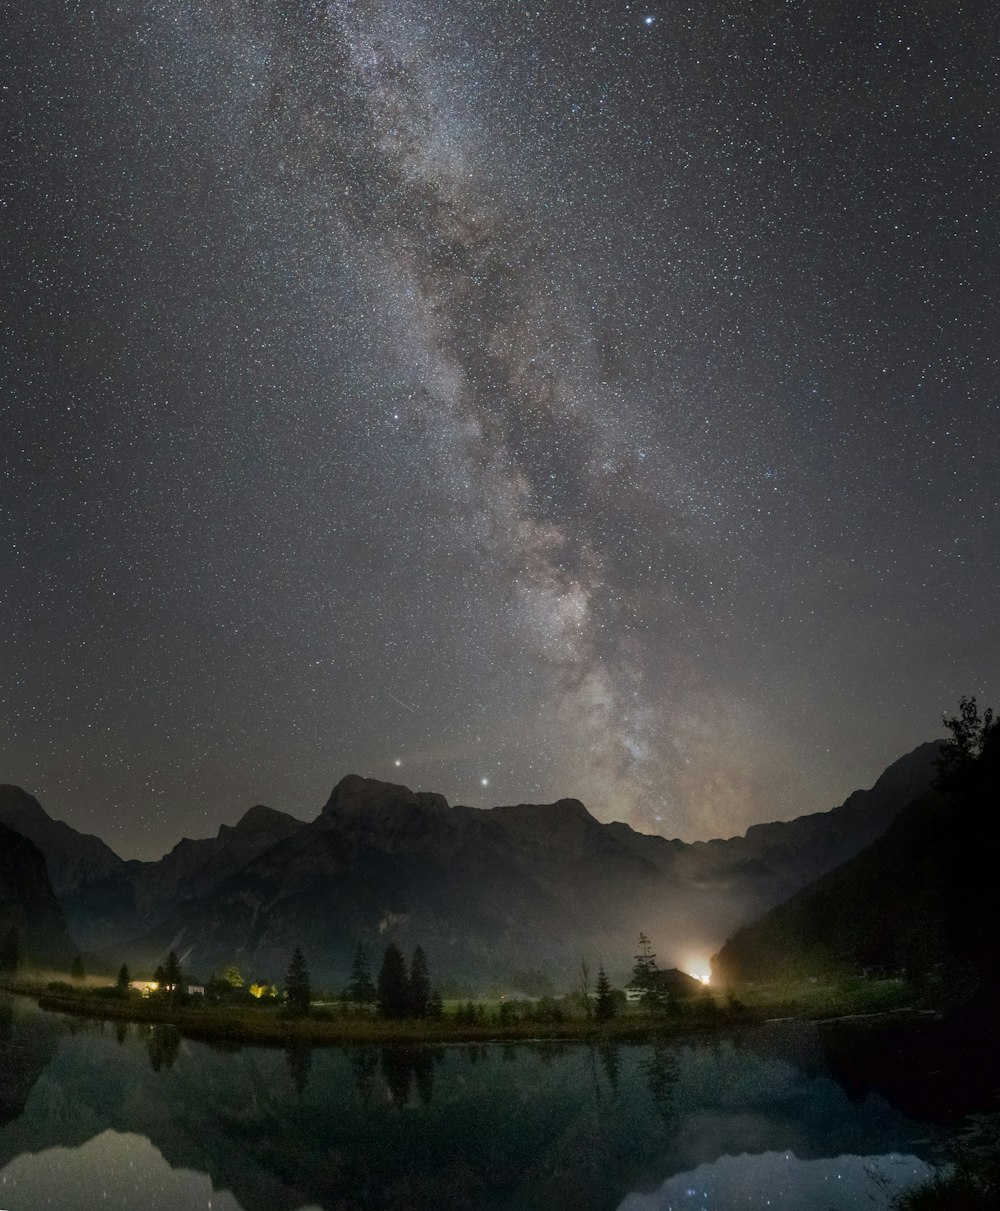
784	1182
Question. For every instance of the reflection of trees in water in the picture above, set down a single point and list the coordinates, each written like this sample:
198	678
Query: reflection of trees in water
396	1074
526	1126
224	1046
548	1051
298	1058
659	1070
6	1020
611	1062
162	1045
406	1067
121	1032
364	1063
603	1058
423	1076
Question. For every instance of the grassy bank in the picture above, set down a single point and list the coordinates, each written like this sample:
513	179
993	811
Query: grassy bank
330	1026
817	1000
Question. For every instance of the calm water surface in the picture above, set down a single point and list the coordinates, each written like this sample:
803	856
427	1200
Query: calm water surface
96	1115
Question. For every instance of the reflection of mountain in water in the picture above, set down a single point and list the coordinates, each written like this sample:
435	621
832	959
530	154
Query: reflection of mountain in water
847	1182
25	1051
529	1126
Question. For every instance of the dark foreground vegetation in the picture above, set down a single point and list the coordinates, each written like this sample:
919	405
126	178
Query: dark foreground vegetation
971	1182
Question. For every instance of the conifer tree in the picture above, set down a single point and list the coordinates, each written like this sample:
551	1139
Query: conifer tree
124	981
604	1009
645	975
393	985
420	984
172	974
298	990
361	990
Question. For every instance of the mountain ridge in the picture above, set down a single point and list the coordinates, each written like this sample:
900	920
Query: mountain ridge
72	857
483	890
30	915
922	898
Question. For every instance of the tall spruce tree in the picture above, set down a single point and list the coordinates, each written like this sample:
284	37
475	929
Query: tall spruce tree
393	985
298	989
360	989
604	1008
124	981
420	984
645	975
173	977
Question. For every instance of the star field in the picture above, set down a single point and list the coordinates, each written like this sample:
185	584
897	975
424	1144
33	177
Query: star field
512	400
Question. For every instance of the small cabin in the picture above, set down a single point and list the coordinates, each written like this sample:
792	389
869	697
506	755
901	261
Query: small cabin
196	990
672	985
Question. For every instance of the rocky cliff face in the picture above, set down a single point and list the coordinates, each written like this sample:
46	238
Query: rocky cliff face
28	908
72	858
136	896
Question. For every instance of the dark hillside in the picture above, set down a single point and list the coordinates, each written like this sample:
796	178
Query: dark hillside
924	898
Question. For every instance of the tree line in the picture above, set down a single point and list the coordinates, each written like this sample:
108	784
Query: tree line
399	991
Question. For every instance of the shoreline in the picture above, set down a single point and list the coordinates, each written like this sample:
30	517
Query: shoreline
265	1028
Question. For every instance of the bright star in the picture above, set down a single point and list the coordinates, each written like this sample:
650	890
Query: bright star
484	781
397	762
648	20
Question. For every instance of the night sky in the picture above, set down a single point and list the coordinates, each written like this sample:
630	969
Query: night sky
512	400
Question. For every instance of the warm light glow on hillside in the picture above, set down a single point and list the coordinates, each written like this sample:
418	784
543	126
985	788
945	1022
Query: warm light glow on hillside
701	969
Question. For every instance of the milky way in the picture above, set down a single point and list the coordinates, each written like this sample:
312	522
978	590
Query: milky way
515	401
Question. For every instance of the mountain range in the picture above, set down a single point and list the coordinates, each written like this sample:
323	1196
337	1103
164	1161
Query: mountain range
487	893
923	897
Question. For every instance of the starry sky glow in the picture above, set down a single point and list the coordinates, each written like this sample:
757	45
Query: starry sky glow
513	400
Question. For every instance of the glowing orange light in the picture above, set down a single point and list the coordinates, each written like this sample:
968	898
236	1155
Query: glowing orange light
700	969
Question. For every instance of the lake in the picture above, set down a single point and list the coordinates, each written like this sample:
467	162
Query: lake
113	1116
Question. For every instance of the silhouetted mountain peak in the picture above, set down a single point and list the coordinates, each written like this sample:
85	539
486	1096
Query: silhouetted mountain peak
562	824
16	804
261	818
27	901
356	794
72	857
562	809
908	775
